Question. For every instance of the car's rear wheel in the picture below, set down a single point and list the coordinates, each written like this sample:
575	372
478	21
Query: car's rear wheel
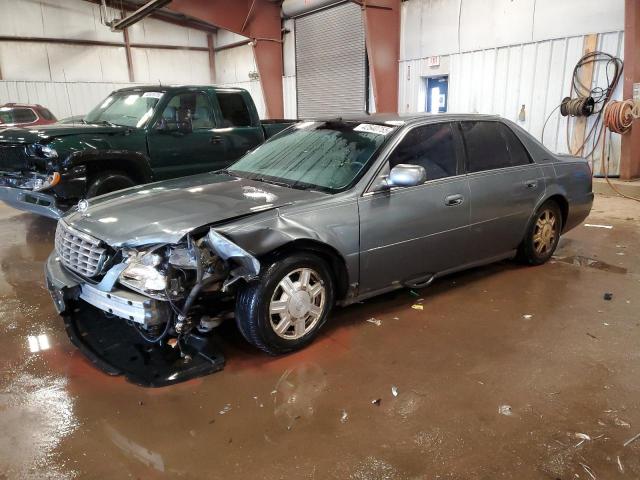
285	308
542	235
108	182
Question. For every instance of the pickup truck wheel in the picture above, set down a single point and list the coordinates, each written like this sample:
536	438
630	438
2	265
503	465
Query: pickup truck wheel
108	182
286	307
542	235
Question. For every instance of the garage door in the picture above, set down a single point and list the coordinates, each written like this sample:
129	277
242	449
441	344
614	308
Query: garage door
330	62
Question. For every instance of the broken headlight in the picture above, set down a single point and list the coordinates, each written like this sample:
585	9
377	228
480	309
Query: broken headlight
143	272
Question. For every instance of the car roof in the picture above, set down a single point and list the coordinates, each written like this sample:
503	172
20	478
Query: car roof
174	88
407	118
21	105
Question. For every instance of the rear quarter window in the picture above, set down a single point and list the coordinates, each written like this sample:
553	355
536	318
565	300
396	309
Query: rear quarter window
235	112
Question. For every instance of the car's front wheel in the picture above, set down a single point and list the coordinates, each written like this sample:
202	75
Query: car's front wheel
542	235
284	309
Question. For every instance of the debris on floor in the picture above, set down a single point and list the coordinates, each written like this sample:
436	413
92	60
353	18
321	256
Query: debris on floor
417	306
225	409
375	321
527	316
344	416
589	470
608	296
394	391
631	440
505	410
583	438
609	227
414	293
376	402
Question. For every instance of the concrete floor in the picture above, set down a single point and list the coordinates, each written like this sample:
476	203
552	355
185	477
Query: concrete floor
540	343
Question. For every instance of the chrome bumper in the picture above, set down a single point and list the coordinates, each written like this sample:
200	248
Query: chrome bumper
65	287
29	201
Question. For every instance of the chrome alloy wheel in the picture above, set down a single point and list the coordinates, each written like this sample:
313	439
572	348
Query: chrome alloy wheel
545	232
297	303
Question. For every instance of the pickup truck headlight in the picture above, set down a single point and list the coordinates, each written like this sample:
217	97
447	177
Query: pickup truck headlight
142	273
42	183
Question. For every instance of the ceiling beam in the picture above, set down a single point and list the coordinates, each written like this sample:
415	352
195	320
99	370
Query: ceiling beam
260	21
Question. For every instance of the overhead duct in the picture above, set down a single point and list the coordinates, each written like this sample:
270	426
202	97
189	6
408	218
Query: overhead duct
295	8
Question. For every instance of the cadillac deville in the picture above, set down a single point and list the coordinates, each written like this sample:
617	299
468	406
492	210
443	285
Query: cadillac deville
327	212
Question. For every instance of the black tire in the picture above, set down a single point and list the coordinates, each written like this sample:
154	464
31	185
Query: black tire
253	300
541	239
108	182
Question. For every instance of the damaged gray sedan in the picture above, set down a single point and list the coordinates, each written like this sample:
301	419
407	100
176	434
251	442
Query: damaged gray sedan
327	212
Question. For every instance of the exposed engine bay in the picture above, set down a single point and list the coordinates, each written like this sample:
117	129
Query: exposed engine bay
171	295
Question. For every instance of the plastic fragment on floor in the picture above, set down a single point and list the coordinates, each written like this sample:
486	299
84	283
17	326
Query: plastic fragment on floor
375	321
394	391
417	306
505	410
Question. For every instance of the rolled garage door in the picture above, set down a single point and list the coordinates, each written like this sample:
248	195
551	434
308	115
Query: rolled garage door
331	62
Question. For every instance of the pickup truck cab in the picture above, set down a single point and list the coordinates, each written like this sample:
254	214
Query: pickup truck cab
135	136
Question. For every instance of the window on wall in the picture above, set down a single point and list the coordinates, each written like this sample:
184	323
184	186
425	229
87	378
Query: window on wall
492	145
235	112
430	146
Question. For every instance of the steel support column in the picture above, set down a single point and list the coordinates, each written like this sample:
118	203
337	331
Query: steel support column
258	20
382	30
630	157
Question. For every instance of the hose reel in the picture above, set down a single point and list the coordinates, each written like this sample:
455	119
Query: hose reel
577	107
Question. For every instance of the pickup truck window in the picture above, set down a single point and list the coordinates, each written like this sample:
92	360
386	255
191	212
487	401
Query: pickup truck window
126	108
234	110
326	156
193	104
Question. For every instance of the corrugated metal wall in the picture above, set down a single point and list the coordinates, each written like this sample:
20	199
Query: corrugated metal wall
63	99
501	80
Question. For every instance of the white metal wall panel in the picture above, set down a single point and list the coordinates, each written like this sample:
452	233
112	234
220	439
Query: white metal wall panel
162	33
443	27
289	95
501	80
63	99
330	62
161	66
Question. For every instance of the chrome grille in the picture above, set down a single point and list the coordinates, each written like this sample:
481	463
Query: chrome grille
78	251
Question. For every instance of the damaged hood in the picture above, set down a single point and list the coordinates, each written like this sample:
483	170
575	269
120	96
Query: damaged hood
164	212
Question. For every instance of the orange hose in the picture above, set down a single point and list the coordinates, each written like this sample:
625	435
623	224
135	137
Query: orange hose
618	118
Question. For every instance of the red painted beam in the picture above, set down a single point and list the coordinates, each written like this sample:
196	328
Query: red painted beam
258	20
630	155
382	30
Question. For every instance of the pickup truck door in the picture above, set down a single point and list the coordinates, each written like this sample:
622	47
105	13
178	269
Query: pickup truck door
175	153
408	234
505	187
239	125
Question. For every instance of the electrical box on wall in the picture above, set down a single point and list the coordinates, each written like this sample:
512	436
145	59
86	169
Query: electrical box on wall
636	92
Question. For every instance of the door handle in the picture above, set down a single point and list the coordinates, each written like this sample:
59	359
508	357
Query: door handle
531	183
453	200
216	139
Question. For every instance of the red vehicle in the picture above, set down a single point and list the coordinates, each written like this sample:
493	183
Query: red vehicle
25	115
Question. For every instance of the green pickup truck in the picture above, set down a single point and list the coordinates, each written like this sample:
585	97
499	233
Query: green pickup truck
135	136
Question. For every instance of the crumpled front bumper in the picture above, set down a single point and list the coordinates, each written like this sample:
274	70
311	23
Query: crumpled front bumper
29	201
113	345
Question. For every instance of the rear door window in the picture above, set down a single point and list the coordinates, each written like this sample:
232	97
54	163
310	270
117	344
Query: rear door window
492	145
235	112
430	146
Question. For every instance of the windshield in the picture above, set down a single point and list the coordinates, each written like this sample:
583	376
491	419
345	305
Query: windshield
129	109
327	156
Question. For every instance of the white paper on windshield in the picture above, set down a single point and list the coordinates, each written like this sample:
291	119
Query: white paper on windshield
152	95
372	128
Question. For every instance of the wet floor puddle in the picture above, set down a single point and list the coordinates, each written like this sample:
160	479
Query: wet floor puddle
580	261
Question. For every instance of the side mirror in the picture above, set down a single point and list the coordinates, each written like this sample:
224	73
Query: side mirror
405	175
